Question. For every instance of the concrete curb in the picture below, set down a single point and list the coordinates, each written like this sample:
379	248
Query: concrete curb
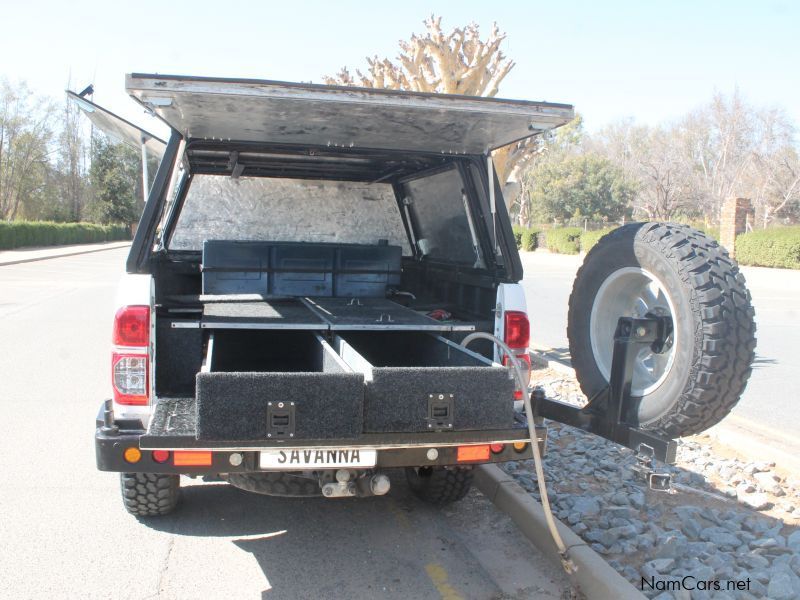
542	358
74	252
747	439
596	578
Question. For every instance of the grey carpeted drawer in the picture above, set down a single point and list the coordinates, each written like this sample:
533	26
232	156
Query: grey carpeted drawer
233	406
404	372
252	373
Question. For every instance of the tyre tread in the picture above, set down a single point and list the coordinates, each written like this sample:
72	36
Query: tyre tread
149	494
725	341
443	486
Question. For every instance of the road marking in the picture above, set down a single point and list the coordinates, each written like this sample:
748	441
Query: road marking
438	576
399	514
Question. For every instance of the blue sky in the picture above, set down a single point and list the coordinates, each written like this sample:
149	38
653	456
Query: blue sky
649	60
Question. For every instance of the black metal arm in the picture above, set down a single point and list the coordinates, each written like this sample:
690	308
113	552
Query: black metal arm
612	413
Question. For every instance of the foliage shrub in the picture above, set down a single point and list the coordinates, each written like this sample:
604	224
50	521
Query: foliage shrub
526	238
590	238
18	234
778	247
519	231
530	239
710	231
564	240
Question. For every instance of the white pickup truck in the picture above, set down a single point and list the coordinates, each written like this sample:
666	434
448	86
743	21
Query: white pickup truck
307	264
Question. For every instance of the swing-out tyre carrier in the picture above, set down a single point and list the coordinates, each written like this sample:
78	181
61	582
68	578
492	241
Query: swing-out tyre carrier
309	260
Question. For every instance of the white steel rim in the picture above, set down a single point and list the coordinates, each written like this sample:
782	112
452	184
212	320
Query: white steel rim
632	292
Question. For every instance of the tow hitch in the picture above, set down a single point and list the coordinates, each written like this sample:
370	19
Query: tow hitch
344	482
645	470
611	414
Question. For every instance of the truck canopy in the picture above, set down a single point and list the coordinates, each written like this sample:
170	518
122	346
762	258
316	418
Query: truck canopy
277	112
118	128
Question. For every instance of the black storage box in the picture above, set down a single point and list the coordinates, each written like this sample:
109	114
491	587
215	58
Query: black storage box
418	382
271	385
300	269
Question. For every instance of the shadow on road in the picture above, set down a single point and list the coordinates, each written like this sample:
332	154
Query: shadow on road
761	361
323	548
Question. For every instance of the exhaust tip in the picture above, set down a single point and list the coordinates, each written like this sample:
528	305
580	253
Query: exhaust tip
380	484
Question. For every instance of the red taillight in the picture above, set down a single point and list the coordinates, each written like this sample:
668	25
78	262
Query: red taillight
129	378
517	329
525	365
497	447
130	373
132	326
160	456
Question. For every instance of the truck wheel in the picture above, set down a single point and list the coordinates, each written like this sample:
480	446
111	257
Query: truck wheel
275	484
150	494
439	485
672	270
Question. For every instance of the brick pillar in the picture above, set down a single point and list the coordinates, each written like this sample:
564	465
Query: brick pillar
733	221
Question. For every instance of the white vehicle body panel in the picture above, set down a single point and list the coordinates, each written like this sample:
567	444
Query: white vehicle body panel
510	296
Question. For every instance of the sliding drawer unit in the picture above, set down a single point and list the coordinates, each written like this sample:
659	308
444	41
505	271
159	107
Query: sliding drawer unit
417	382
276	385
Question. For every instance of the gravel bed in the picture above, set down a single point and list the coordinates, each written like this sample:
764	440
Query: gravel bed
728	518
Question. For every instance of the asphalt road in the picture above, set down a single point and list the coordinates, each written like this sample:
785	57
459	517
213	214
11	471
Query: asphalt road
65	533
769	406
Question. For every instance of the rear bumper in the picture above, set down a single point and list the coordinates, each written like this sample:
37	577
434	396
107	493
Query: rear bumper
393	450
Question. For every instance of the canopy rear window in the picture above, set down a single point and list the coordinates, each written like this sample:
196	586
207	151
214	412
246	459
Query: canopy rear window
287	210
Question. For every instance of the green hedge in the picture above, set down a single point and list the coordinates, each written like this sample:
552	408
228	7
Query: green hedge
530	239
526	237
564	240
779	247
18	234
590	238
519	231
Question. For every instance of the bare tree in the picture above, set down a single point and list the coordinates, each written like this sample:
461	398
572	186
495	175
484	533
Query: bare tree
459	62
776	183
721	140
654	158
772	180
665	189
725	148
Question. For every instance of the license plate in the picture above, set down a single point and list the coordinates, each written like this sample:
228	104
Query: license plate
310	458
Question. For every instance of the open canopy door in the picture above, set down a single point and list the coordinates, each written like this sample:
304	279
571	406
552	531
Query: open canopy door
118	128
247	110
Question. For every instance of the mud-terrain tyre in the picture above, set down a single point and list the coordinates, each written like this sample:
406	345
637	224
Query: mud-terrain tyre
150	494
644	269
276	484
439	485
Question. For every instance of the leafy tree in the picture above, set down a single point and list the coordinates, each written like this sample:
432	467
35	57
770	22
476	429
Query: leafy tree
71	159
115	180
554	147
581	185
25	134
